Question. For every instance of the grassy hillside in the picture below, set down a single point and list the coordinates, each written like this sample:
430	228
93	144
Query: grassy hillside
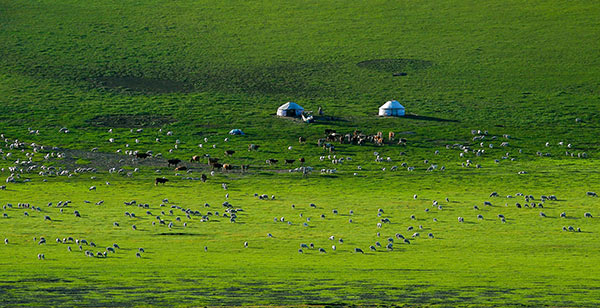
199	68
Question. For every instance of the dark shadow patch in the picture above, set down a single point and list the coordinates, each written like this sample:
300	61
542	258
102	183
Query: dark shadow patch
396	66
130	120
427	118
140	84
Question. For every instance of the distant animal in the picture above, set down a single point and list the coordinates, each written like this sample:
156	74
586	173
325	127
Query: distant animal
181	168
227	167
271	161
290	161
229	152
301	140
212	160
142	155
302	160
203	178
358	250
253	147
195	158
216	165
173	162
160	181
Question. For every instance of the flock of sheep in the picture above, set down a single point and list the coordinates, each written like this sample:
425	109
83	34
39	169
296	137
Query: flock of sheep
170	215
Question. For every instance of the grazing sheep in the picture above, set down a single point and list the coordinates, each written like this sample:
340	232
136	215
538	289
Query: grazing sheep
587	215
591	194
92	188
563	215
5	241
460	219
300	251
137	254
479	216
358	250
430	235
321	250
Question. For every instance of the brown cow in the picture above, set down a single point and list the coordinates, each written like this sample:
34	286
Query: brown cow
227	167
160	181
391	136
181	168
195	158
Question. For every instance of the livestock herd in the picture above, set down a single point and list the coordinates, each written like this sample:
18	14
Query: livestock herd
24	166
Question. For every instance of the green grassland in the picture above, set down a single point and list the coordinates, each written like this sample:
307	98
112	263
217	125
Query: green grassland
200	68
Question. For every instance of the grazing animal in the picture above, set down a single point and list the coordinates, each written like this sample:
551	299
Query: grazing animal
195	158
227	167
203	178
216	166
587	215
181	168
92	188
142	155
460	219
160	181
271	161
253	147
229	152
301	139
358	250
321	250
290	161
591	194
137	254
563	215
173	162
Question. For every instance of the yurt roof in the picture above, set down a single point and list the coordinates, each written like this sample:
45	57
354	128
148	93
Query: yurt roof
290	106
392	105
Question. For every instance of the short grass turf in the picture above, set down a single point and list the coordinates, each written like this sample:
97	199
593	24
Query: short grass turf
199	69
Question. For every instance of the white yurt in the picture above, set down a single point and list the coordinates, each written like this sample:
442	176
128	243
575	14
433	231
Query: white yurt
290	109
391	109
